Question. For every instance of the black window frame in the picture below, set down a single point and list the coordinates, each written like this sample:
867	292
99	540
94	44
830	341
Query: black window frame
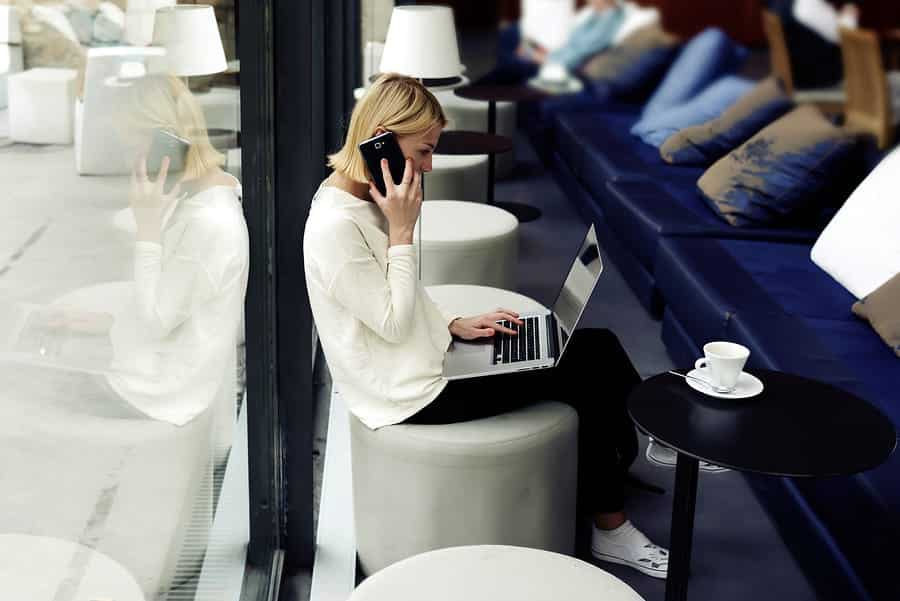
297	76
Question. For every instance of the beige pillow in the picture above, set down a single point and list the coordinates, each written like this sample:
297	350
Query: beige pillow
882	310
611	62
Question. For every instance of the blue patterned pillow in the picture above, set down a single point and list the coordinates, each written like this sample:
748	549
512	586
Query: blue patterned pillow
707	57
707	143
779	172
655	129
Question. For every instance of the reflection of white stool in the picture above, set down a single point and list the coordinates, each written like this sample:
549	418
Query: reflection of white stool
42	105
457	177
472	115
468	243
38	568
491	573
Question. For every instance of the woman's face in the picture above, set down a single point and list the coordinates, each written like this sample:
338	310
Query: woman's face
420	147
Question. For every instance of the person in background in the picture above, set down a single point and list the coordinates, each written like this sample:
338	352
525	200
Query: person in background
385	339
593	33
812	29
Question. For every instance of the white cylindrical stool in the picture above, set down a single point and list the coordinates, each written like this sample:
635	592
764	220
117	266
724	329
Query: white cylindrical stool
472	115
41	568
493	573
457	177
468	243
508	479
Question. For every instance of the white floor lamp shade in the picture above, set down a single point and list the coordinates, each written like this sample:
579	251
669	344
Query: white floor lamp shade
421	42
190	35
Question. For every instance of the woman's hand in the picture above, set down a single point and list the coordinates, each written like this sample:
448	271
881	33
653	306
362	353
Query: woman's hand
401	204
483	326
148	201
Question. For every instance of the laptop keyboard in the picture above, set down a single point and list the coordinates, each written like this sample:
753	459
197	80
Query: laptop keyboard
526	346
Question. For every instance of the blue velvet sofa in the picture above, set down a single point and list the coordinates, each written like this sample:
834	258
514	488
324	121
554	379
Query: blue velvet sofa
709	280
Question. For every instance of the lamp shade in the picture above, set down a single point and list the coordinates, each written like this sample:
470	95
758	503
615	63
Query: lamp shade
421	42
190	35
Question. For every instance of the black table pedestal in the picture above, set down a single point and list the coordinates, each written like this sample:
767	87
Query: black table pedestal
682	530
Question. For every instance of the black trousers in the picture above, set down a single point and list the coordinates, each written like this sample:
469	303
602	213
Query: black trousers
594	377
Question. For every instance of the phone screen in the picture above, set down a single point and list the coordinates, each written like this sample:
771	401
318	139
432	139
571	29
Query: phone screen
383	146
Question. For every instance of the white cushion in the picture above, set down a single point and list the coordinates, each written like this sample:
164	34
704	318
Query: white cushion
860	247
41	106
10	30
54	18
636	17
109	26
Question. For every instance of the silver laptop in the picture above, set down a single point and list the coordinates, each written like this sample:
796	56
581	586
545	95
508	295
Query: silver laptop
542	339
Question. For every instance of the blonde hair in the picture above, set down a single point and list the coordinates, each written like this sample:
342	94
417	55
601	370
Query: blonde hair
396	103
164	102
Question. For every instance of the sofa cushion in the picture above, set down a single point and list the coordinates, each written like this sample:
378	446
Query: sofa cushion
657	127
778	172
860	247
628	69
706	143
882	310
707	57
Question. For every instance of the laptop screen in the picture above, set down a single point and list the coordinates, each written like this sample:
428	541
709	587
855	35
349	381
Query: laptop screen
579	284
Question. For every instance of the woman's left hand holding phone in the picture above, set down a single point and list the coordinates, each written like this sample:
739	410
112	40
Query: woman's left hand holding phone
401	204
149	201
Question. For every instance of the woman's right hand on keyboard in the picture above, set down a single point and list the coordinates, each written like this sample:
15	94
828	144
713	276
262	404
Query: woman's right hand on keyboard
484	326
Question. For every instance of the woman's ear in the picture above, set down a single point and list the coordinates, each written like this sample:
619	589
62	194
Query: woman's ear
380	130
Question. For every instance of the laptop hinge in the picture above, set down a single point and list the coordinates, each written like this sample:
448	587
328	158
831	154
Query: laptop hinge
553	336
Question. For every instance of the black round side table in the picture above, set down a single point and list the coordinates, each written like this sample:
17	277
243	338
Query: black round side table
770	434
492	94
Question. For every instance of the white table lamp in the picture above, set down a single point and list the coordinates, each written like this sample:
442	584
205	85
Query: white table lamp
190	35
421	42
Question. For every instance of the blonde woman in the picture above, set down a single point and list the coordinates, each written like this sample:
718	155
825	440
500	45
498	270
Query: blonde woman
175	345
385	339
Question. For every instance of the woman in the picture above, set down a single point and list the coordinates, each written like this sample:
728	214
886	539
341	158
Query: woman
385	339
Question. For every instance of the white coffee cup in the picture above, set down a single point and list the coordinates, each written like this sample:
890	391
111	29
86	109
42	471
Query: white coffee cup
724	361
554	72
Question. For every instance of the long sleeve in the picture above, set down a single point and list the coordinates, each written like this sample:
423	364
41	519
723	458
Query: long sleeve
383	302
592	36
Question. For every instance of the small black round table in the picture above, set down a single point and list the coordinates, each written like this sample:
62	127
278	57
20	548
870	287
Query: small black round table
492	94
772	433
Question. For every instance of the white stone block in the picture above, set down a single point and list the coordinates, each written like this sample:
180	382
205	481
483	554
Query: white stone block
41	106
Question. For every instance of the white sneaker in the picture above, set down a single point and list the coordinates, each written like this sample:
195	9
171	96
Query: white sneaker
662	456
626	545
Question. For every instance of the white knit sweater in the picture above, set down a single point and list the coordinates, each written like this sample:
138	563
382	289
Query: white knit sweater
382	335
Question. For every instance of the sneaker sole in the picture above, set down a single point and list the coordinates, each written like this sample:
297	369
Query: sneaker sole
709	468
640	568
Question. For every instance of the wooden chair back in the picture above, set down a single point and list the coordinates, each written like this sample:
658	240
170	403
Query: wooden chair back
868	105
778	50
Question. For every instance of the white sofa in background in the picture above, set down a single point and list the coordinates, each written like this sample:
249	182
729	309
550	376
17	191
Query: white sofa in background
468	243
99	149
505	480
40	106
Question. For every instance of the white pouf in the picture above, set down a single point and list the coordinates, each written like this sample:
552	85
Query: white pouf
457	177
41	106
221	108
39	568
472	115
468	243
493	573
11	61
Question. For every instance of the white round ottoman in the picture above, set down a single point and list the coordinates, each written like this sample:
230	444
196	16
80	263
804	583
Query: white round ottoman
468	243
508	479
472	115
40	568
457	177
42	106
493	573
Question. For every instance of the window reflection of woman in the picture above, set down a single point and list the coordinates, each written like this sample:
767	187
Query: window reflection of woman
191	258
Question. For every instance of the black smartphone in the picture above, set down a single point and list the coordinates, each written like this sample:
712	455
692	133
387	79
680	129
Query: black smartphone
383	146
167	144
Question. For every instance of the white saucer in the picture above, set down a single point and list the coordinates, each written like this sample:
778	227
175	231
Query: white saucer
748	385
570	85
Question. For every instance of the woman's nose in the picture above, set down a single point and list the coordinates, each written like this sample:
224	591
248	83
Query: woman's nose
426	166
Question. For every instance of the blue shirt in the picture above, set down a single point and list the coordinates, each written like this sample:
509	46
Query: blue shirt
593	35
